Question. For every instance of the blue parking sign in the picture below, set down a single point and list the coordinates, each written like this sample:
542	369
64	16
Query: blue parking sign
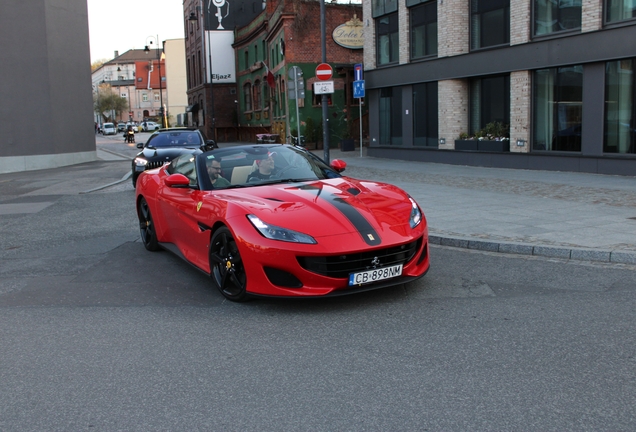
358	89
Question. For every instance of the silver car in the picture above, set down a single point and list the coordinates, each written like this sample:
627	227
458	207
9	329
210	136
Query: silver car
109	129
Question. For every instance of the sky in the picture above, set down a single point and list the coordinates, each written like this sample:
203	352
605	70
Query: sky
120	25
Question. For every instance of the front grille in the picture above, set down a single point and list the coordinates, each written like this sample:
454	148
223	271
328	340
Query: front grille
153	165
339	266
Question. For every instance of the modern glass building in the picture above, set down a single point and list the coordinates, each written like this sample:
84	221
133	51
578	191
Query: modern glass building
535	84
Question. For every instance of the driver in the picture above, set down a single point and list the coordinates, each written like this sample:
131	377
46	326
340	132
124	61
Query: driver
265	170
214	171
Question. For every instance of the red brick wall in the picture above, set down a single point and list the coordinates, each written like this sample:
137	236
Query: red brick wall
305	47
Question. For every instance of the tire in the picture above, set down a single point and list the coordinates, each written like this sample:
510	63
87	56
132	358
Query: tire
147	226
226	266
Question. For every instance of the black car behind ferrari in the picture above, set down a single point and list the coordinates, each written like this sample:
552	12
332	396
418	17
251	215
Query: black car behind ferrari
166	144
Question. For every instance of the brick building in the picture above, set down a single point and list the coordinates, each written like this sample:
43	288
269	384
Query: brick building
556	79
211	65
285	35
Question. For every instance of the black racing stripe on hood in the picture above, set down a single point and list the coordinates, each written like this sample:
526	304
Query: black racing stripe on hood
368	234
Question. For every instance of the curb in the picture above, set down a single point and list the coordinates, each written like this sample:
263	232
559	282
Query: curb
580	254
123	179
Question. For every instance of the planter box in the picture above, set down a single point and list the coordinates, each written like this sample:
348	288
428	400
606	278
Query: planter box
466	145
488	146
347	144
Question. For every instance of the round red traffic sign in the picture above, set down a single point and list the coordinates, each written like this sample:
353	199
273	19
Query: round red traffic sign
324	72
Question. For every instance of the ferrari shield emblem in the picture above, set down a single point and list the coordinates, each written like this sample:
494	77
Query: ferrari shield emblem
371	237
199	205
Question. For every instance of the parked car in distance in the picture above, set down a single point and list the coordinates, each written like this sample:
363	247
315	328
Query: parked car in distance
166	144
150	126
109	129
121	126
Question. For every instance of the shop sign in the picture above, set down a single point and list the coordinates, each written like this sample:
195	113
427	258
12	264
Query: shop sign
350	34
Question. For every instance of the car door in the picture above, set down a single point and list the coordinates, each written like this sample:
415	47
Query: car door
180	206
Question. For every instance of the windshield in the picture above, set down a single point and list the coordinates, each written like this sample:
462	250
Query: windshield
175	139
247	166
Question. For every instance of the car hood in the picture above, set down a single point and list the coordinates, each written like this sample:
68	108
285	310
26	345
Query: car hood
331	207
165	153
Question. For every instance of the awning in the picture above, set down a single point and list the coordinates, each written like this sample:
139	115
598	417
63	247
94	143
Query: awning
193	108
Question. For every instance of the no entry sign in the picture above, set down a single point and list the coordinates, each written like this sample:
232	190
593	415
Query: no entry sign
324	72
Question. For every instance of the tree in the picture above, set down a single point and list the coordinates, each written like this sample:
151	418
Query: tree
106	103
97	64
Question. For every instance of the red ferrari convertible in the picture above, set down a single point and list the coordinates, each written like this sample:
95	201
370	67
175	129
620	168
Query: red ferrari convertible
275	220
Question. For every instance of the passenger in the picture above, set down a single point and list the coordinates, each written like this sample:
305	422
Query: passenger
214	171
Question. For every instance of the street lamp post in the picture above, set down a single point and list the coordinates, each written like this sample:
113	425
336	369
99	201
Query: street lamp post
159	52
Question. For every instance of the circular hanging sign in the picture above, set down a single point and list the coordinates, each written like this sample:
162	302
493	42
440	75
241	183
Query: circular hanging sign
324	72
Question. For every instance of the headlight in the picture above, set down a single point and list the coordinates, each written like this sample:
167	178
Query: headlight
141	162
277	233
416	214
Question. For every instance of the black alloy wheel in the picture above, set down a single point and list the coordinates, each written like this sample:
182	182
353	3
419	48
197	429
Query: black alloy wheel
147	226
226	266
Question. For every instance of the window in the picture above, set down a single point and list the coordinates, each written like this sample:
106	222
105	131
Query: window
619	10
258	99
551	16
144	97
247	96
424	30
200	68
489	102
489	23
318	99
387	39
247	59
558	105
382	7
124	95
391	116
620	113
185	165
425	118
156	97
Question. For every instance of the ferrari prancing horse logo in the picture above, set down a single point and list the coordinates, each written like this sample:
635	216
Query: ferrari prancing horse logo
199	205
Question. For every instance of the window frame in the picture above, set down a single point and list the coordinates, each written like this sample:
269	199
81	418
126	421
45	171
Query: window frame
553	33
393	36
476	44
423	5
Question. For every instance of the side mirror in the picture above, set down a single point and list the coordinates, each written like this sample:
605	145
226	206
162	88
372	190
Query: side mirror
338	165
177	181
211	144
140	145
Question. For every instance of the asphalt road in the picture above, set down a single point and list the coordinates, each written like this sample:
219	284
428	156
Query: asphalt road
96	333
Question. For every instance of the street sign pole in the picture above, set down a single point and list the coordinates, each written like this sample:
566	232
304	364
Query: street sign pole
296	69
325	108
358	92
360	121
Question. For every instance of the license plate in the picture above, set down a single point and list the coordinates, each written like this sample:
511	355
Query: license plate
369	276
